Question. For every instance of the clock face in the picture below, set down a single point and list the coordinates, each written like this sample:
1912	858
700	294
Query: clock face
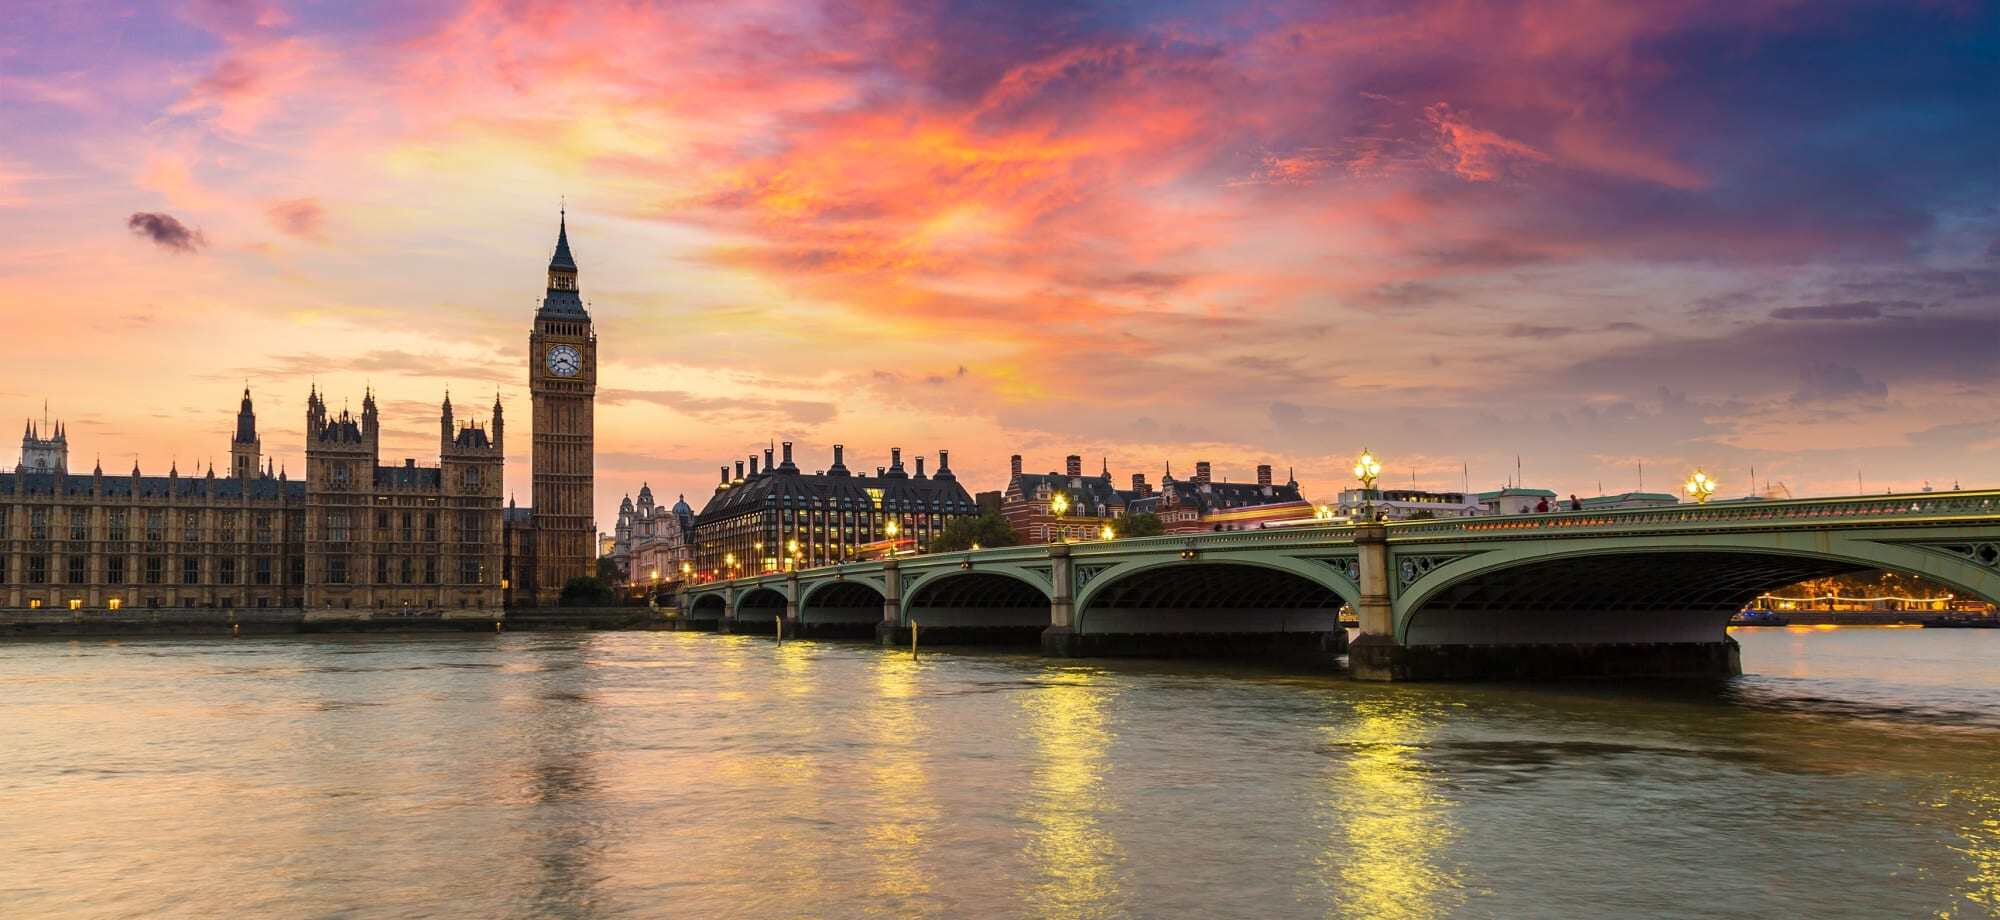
563	361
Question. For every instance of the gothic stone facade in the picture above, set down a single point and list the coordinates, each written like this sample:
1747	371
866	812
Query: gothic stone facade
403	536
558	535
352	534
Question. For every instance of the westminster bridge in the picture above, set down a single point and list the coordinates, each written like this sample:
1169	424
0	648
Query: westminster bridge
1638	592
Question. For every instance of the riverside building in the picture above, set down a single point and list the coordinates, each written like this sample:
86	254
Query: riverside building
778	518
353	533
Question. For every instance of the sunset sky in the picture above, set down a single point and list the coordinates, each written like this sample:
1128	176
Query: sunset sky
1734	234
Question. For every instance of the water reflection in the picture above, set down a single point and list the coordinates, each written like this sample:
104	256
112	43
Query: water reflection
1072	850
1979	844
1391	823
897	828
561	823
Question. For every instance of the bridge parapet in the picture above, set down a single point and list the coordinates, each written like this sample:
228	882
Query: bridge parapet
1938	507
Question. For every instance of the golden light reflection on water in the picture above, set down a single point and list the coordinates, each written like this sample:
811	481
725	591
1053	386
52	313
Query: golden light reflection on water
897	829
1979	843
1392	824
1074	853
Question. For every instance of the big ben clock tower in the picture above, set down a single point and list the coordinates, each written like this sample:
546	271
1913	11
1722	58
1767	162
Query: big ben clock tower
562	376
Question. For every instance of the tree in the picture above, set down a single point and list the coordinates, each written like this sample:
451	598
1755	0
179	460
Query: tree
1139	525
586	591
610	570
988	528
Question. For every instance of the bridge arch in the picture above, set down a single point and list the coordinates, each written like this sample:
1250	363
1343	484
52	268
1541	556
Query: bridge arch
1325	574
986	604
1214	594
840	607
707	605
1670	588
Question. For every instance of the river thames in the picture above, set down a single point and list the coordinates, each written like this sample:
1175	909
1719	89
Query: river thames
1855	772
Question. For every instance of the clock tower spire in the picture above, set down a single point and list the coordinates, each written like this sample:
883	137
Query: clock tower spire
562	379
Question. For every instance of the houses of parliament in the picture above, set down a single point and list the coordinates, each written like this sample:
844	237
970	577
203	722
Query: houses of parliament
351	533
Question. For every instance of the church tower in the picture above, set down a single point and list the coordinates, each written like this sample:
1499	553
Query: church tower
562	378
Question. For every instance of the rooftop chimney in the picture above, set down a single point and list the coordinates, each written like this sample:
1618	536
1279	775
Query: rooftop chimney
1201	471
920	467
769	467
789	467
753	466
739	469
839	467
1014	464
1139	486
1263	474
1074	466
944	465
725	474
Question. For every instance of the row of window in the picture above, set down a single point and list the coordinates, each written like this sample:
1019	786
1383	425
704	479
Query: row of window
405	571
152	570
154	525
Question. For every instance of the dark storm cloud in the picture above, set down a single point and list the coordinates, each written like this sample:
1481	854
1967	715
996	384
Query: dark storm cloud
166	231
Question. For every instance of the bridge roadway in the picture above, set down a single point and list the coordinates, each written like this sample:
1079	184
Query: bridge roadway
1618	593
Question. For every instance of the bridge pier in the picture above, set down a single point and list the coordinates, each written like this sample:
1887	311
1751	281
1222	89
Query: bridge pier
888	632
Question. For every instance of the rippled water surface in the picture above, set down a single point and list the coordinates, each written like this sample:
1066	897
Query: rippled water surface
1856	773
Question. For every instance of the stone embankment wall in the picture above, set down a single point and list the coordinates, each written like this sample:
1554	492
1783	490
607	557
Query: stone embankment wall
186	622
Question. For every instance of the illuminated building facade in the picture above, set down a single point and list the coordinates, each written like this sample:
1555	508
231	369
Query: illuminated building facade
779	517
653	542
1072	506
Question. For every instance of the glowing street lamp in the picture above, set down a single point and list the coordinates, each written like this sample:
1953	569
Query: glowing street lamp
1367	468
1059	505
1699	487
1106	533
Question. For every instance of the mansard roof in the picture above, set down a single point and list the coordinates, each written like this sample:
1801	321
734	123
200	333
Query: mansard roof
1221	495
793	490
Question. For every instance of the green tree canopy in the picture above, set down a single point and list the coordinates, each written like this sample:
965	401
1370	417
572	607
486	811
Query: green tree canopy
610	571
586	591
988	528
1139	525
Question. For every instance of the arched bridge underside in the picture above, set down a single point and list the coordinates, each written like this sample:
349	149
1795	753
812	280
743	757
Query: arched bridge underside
977	607
849	609
1641	592
1203	609
1619	597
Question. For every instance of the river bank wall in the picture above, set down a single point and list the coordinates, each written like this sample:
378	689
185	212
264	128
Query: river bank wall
17	623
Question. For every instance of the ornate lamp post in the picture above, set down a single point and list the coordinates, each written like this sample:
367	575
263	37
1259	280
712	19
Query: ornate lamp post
1106	533
792	552
1366	468
1058	506
892	529
1699	487
729	561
